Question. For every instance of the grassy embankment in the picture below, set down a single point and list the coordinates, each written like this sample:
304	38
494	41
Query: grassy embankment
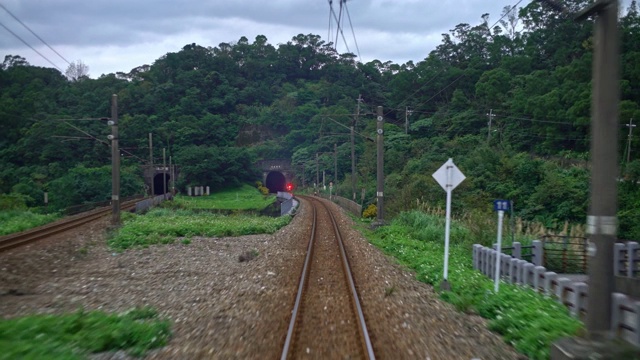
74	336
13	221
527	320
186	217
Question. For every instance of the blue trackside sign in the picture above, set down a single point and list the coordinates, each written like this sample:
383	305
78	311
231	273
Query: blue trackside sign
501	205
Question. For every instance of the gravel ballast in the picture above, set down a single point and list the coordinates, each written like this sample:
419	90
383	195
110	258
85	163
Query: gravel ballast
232	297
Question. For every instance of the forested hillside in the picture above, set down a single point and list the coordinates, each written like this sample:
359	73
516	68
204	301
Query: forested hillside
218	109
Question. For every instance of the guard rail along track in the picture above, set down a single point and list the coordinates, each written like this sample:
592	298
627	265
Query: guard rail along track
327	320
25	237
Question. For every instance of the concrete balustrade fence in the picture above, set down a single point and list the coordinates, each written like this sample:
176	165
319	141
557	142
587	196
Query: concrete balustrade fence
625	321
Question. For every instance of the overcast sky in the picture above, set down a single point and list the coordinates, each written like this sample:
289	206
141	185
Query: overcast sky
119	35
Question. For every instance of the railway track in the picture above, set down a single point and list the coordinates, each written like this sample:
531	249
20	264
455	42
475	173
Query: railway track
23	238
327	320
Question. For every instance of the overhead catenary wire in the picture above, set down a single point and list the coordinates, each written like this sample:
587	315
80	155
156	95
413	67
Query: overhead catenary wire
32	48
34	34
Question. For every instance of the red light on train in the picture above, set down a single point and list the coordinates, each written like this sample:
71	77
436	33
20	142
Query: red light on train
289	187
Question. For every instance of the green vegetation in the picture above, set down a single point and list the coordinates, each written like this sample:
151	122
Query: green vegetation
243	198
163	226
13	221
74	336
527	320
219	108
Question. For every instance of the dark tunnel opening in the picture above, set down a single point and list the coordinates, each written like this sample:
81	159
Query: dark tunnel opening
275	182
158	184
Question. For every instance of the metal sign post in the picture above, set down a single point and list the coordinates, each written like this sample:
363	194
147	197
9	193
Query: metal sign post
449	177
500	206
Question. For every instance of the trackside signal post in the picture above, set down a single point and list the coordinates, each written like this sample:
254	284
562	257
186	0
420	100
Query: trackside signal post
500	206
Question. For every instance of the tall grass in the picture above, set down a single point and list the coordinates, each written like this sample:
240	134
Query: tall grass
164	226
74	336
242	198
13	221
484	226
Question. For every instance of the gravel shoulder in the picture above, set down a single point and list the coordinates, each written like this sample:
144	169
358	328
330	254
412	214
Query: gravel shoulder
222	307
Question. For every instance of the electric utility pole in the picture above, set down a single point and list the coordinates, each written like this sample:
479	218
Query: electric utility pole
353	150
630	125
602	221
317	173
153	169
115	163
164	173
335	166
380	167
407	113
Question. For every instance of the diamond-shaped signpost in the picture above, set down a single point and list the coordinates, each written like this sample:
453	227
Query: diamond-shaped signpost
449	177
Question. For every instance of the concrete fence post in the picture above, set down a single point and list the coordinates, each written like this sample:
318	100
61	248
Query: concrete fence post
527	274
617	300
538	272
636	324
519	270
537	252
549	278
513	268
563	284
517	250
504	265
476	256
579	288
189	190
208	192
485	269
632	256
618	256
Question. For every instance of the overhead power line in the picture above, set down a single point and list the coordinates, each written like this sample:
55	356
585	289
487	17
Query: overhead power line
32	48
34	34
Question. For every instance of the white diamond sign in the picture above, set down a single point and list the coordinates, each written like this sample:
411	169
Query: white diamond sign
449	176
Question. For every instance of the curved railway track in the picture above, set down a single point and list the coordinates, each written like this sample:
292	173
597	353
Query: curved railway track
327	319
23	238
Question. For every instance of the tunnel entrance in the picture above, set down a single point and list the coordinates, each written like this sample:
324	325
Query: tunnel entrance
275	182
158	183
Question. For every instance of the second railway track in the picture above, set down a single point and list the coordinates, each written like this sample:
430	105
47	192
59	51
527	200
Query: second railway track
26	237
327	320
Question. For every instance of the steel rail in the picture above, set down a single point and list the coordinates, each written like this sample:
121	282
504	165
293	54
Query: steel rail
25	237
303	281
362	328
364	333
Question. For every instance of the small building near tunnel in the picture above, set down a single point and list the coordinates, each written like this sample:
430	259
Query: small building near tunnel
276	174
160	177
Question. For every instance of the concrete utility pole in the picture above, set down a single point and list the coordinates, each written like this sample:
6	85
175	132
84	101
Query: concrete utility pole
317	173
115	163
353	150
353	164
490	115
164	173
407	113
630	125
153	169
335	167
380	167
602	221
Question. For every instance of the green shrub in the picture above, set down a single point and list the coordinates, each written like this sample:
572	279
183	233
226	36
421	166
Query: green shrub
370	212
